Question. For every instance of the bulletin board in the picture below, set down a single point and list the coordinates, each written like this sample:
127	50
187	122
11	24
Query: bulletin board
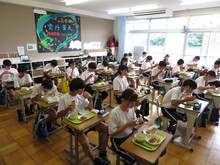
57	32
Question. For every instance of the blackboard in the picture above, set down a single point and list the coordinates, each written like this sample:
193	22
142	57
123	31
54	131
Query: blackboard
57	32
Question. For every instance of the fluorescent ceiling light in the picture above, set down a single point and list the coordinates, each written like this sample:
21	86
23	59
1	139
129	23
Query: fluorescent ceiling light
116	11
73	2
131	9
190	2
146	7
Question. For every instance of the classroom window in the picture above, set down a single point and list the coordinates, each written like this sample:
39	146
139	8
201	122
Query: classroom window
204	21
157	42
194	43
158	24
176	23
174	43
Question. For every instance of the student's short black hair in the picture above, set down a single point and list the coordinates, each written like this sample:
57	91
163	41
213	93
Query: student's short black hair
125	54
72	62
167	55
162	63
197	57
149	58
144	53
130	54
180	62
7	63
217	62
130	95
105	63
89	57
122	67
92	65
54	63
77	83
124	59
22	69
211	73
47	83
109	54
191	83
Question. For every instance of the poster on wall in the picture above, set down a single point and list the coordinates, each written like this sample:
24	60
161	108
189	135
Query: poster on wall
57	32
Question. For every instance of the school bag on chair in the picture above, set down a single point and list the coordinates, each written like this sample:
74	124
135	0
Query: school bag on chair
40	126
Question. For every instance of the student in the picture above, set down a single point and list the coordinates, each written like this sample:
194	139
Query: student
86	62
120	83
158	74
8	74
109	57
83	100
124	61
192	63
102	66
72	71
23	80
89	78
142	58
46	88
176	96
146	66
51	68
166	59
202	85
122	121
216	68
177	68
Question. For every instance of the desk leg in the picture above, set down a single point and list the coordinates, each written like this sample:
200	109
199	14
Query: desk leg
76	147
189	132
110	99
143	112
96	97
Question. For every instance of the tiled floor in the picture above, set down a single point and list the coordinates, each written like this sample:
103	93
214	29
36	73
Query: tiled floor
17	145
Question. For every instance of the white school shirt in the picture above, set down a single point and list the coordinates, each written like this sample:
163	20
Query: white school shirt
120	83
155	70
118	118
72	73
49	67
172	94
176	68
217	71
200	83
9	77
141	59
146	65
66	101
100	66
84	63
39	89
86	74
190	62
22	81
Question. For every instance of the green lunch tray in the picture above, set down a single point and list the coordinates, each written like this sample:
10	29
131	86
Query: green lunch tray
77	121
97	85
148	146
214	92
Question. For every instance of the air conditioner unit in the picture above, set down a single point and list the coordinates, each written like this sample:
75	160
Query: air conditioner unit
159	13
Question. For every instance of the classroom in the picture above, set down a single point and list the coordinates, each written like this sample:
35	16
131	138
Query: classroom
109	82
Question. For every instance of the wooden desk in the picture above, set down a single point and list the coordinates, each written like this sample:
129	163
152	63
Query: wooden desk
149	156
57	75
193	116
22	96
169	85
101	89
45	105
187	75
77	129
214	97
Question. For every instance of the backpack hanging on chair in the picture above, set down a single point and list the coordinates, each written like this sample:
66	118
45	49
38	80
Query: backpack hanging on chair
40	126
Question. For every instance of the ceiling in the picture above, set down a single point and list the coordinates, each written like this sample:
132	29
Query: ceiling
99	7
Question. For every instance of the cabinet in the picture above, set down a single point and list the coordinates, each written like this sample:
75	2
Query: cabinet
35	68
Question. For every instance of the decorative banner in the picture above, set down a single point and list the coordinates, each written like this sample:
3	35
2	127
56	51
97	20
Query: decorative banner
57	32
